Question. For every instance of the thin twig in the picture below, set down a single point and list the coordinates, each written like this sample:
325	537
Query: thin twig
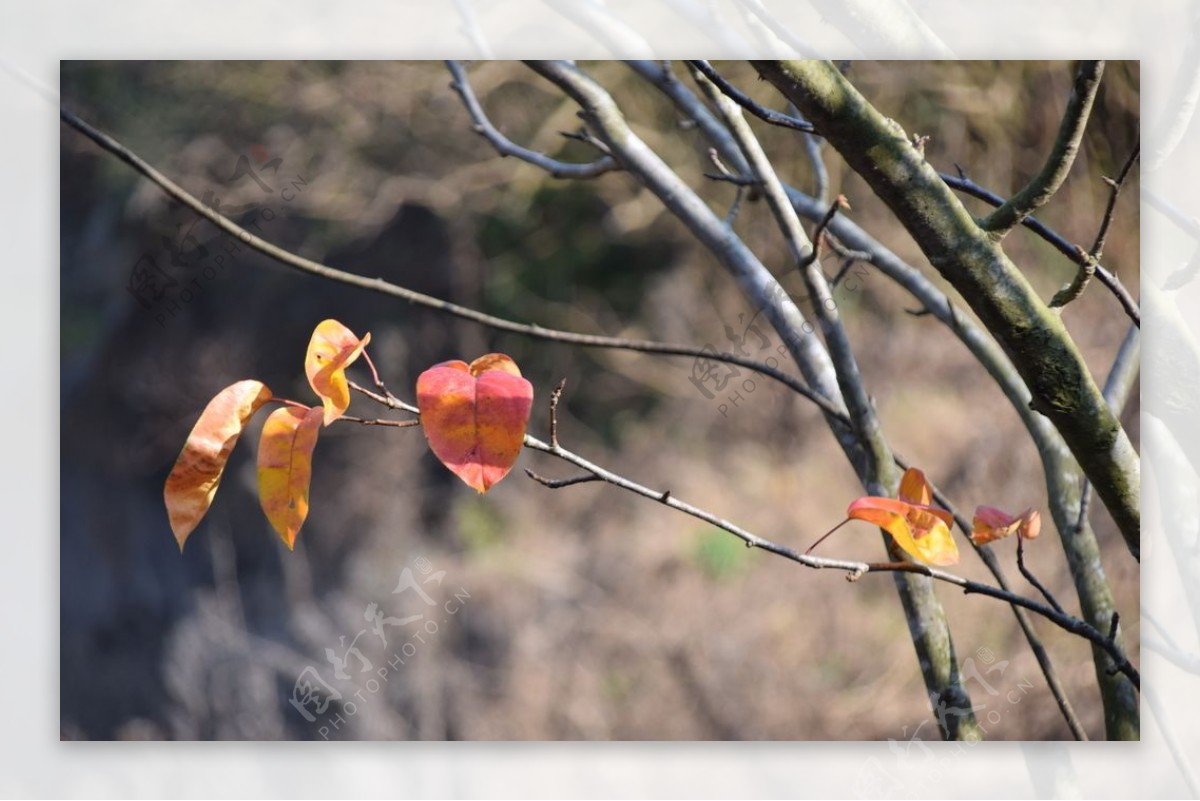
985	554
694	111
923	611
585	136
559	483
1088	261
1097	249
1083	276
660	75
1032	579
736	180
1042	186
840	203
390	401
841	273
382	387
725	174
874	471
289	259
743	100
554	398
846	252
506	147
1060	243
734	208
391	423
1064	621
812	148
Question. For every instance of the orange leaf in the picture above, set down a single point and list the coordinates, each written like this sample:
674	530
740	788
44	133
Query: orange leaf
914	488
475	416
921	531
992	524
332	349
197	472
285	468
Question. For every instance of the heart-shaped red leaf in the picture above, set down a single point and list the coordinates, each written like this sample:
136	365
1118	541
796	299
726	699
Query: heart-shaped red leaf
475	416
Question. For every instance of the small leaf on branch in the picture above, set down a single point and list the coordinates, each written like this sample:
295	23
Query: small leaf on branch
475	416
285	468
918	528
197	472
332	349
992	524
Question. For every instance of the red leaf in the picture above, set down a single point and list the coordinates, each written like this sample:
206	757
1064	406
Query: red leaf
475	416
992	524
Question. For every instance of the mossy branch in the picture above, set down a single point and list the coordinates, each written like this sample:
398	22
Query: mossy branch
971	259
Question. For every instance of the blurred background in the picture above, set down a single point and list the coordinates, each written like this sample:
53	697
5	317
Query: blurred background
580	613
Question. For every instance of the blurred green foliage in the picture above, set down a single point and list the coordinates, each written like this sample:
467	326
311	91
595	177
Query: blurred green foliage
719	556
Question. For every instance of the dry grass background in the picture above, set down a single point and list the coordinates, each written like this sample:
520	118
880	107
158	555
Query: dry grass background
592	614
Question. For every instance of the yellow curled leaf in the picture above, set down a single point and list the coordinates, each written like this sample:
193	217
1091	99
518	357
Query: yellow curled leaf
921	531
197	472
285	468
332	349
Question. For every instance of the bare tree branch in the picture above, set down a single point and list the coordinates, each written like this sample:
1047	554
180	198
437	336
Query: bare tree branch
830	406
1062	473
1082	277
1032	579
923	612
384	287
660	75
762	289
1097	249
972	260
1089	261
505	147
1060	243
879	474
988	557
742	99
979	343
855	569
1062	155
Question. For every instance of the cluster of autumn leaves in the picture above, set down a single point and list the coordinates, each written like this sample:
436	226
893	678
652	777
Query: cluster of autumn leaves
923	530
474	417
